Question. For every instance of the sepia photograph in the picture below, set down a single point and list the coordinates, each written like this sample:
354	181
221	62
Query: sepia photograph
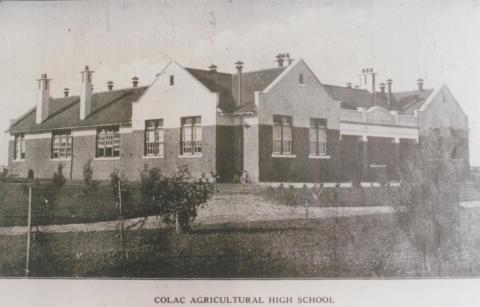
238	140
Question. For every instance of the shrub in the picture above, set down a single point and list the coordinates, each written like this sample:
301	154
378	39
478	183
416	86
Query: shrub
3	174
90	184
58	179
176	197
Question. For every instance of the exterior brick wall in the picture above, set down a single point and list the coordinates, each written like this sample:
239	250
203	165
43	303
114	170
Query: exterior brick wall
131	160
301	167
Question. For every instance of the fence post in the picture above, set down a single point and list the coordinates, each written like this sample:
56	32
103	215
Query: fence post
121	218
306	211
29	229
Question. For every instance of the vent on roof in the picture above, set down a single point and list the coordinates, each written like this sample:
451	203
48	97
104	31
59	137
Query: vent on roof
280	59
110	85
66	91
389	89
349	85
420	84
135	81
239	67
212	68
382	88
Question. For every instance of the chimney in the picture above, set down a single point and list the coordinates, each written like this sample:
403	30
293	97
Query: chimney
86	93
135	81
373	86
212	68
239	67
420	84
66	91
280	59
43	98
110	85
349	85
389	89
382	88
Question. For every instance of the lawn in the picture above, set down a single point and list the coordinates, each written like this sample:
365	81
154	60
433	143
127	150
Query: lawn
347	247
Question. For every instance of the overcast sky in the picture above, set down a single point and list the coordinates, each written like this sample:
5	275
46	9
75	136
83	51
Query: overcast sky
438	41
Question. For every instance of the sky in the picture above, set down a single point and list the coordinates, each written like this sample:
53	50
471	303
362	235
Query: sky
435	40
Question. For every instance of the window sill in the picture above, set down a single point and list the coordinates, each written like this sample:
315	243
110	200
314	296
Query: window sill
106	158
154	157
283	156
319	157
18	160
190	156
378	165
60	159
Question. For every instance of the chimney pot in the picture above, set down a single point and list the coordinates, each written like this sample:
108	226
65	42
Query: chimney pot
420	84
66	91
135	81
213	68
110	85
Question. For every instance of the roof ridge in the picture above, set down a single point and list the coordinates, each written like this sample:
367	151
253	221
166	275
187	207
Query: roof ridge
208	71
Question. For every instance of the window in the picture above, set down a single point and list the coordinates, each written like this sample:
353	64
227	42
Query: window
300	78
172	79
191	136
154	137
61	145
108	142
19	147
318	137
282	135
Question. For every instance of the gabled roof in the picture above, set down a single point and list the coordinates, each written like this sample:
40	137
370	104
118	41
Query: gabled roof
112	107
227	85
403	102
410	101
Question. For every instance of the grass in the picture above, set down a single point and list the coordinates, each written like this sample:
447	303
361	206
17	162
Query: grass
69	205
354	247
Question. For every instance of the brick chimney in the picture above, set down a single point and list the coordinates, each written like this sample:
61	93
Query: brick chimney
43	98
239	67
110	85
135	81
86	93
66	91
389	89
420	84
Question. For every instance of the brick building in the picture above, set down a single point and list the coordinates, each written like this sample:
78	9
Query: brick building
278	124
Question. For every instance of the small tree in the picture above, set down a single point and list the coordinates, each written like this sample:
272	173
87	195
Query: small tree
90	184
428	197
58	179
117	181
176	197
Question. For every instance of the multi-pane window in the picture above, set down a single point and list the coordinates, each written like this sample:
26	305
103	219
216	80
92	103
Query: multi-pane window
154	137
61	145
318	137
108	142
282	135
19	147
191	134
